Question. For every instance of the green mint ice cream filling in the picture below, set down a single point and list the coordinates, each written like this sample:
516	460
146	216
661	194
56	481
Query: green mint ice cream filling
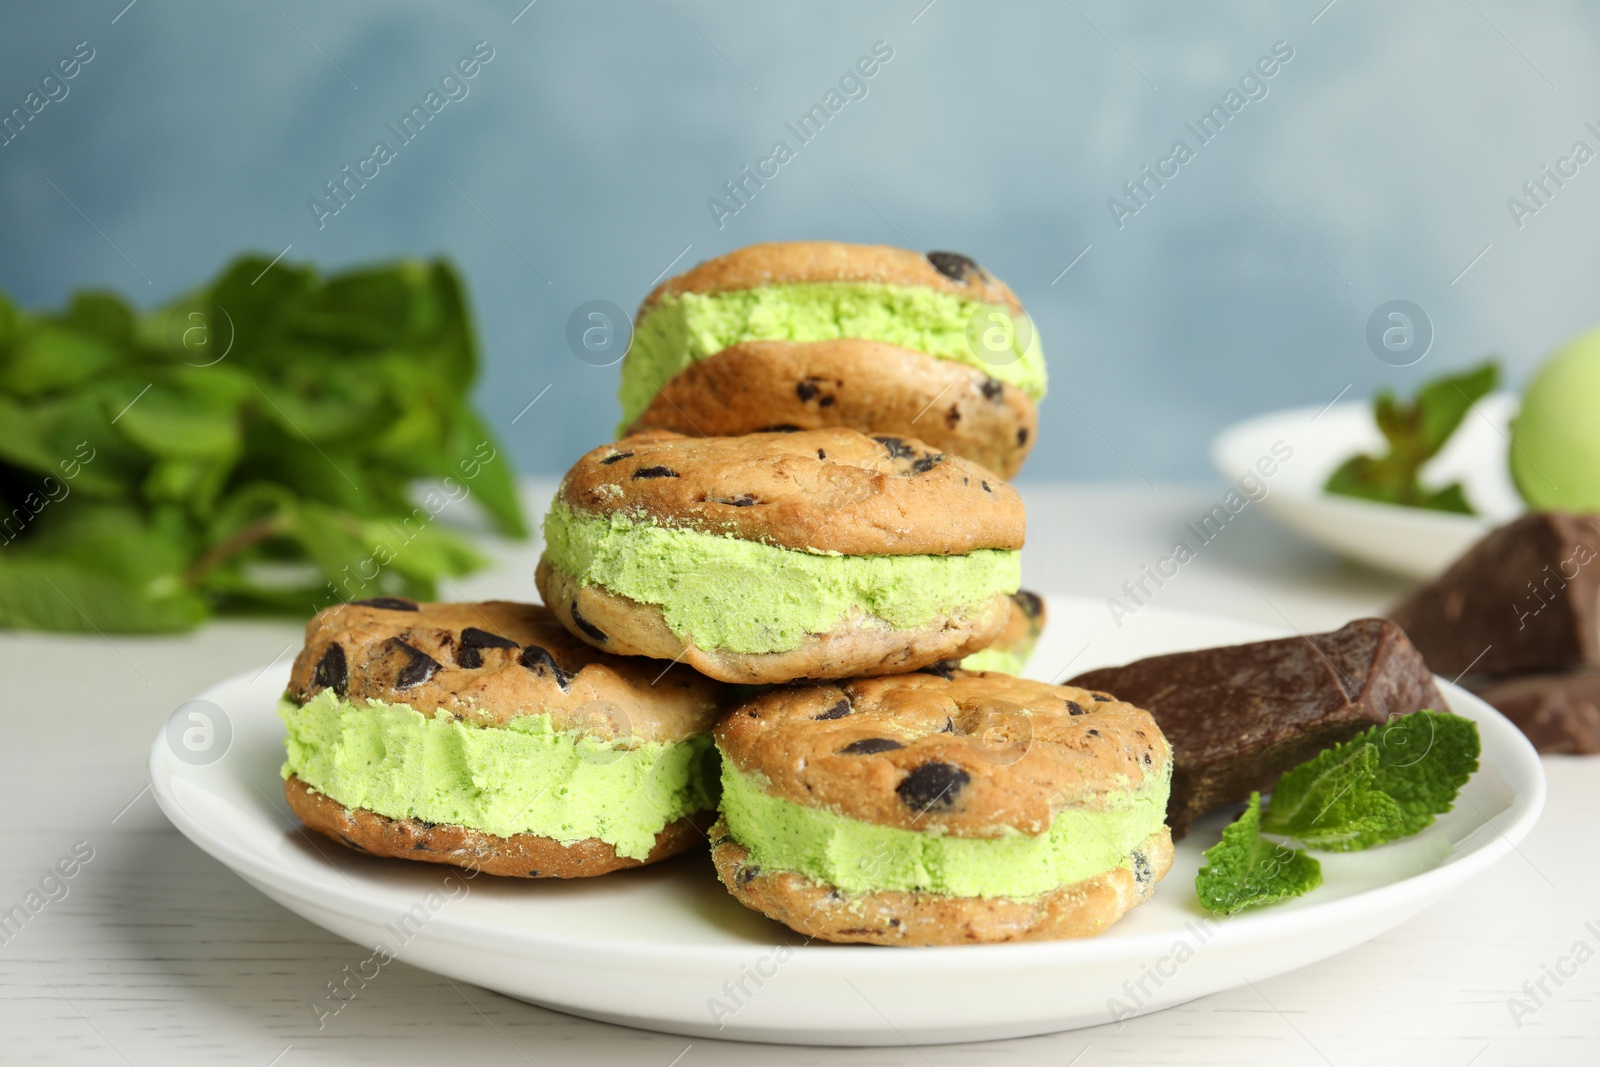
861	857
691	326
522	777
748	597
1003	660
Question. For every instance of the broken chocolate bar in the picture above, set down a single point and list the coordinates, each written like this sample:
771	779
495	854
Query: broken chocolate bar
1239	716
1524	598
1558	712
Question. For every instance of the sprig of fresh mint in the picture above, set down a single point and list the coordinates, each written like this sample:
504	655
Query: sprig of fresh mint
1246	870
1386	783
1415	433
263	444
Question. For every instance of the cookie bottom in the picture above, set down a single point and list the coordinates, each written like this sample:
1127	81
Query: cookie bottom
847	651
517	856
1082	909
865	385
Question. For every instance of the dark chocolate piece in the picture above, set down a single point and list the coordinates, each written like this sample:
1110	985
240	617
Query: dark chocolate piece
955	266
782	427
1558	712
928	462
806	390
869	746
1524	598
539	660
897	448
472	637
419	666
1239	716
837	711
473	641
992	389
332	671
655	472
933	786
614	457
586	626
387	603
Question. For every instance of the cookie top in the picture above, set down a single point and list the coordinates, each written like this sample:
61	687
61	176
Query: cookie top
491	662
971	754
832	490
870	386
787	262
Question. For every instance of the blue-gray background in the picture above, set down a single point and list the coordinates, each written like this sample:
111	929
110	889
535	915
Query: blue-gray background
1378	167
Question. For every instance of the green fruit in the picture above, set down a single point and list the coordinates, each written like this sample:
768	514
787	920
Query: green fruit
1555	439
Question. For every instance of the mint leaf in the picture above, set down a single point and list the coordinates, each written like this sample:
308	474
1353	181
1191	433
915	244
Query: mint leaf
1423	761
257	444
1415	432
1246	870
1331	799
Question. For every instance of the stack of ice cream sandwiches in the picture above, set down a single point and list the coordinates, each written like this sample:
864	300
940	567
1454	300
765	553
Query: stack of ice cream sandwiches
782	613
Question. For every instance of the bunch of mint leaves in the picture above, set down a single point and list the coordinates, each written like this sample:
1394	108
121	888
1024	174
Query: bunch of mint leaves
259	445
1415	432
1386	783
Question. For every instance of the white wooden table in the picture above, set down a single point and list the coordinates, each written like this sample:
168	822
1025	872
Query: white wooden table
157	954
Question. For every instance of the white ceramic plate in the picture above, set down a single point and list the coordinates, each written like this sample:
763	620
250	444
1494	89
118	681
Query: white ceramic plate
1410	541
666	948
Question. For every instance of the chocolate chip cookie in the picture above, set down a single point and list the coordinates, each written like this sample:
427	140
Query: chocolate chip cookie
484	735
949	808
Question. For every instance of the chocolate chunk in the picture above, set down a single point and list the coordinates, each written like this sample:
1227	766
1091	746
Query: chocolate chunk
1103	698
655	472
332	671
868	746
825	402
1239	716
821	454
472	637
533	874
419	666
387	603
748	873
782	427
1074	708
806	390
586	626
897	448
953	416
1142	872
955	266
992	389
945	668
985	485
419	847
1022	435
838	711
539	660
1524	598
1558	712
614	457
739	501
933	787
928	462
1029	602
